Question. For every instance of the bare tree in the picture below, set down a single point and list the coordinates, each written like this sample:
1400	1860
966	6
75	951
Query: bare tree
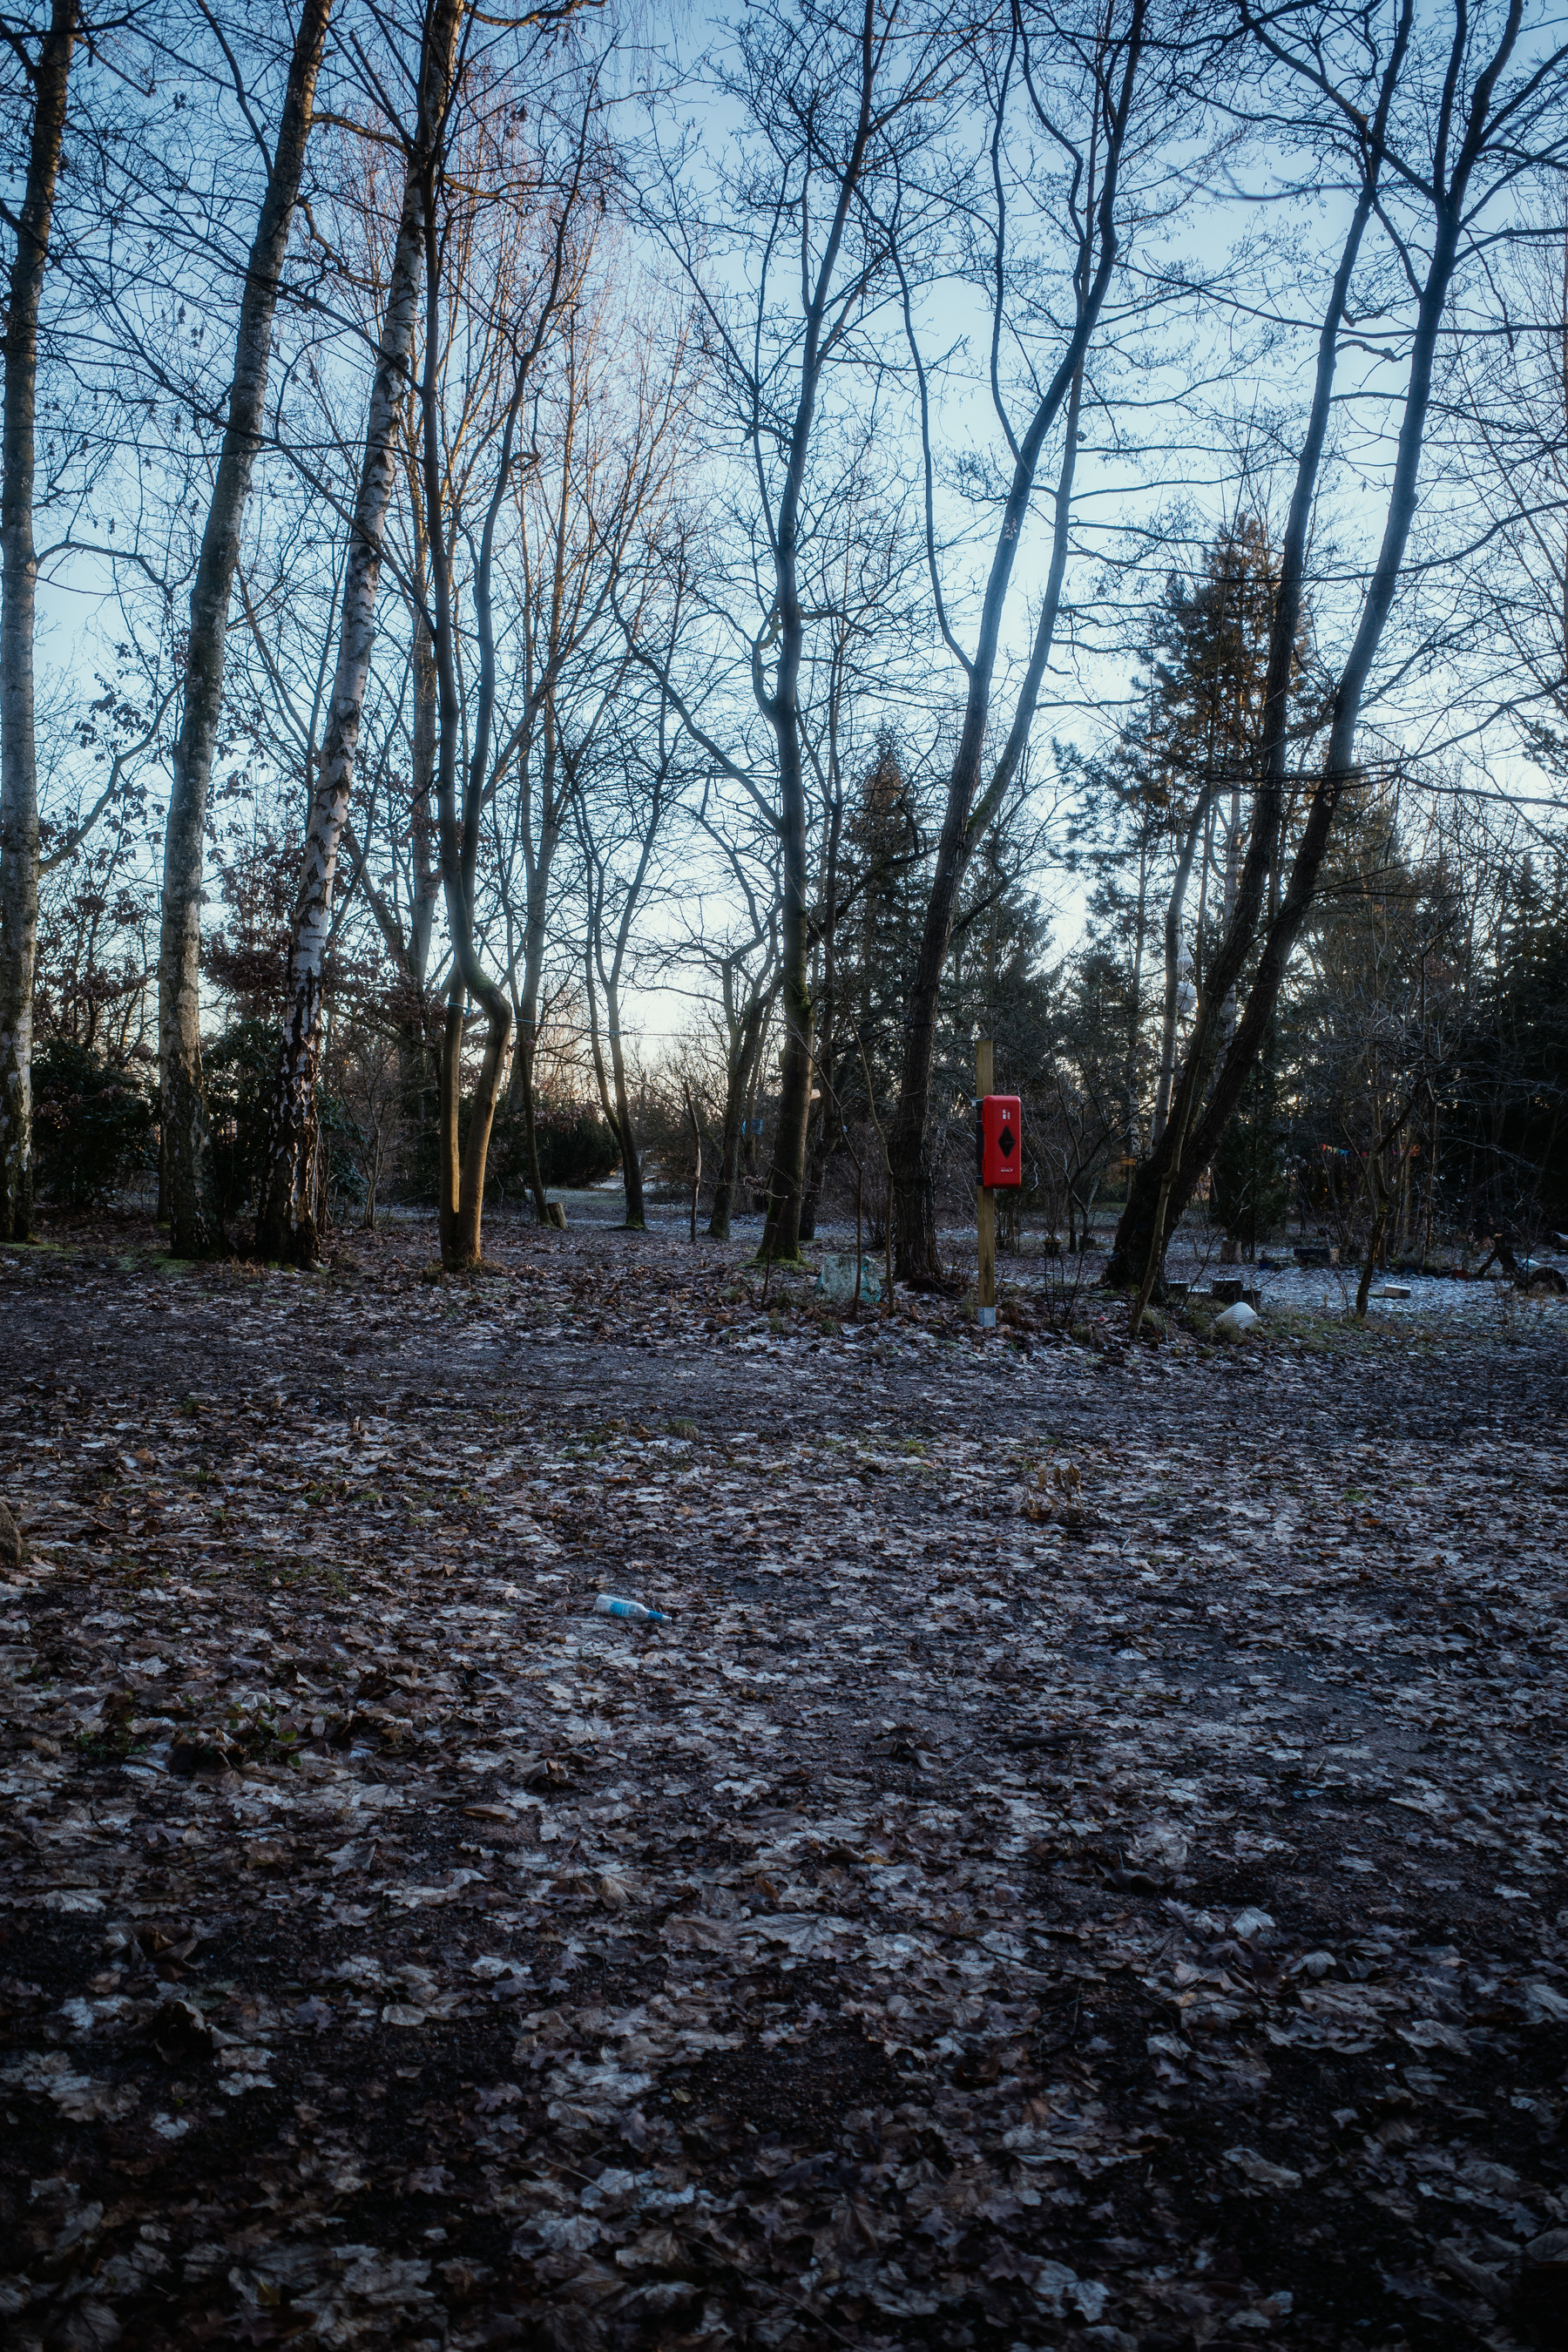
286	1223
1098	57
607	432
832	95
622	797
49	78
1435	116
745	965
194	1226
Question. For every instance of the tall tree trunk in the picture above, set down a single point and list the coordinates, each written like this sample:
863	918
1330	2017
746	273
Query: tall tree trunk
822	1135
18	582
196	1229
913	1205
286	1223
462	1216
781	1232
452	1164
1136	1009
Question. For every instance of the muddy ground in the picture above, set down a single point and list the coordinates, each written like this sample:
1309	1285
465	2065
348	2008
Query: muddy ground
1081	1863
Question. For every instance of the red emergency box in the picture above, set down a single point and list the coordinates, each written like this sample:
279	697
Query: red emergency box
999	1141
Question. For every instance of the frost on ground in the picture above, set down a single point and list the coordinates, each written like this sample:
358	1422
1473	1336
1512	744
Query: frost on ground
1083	1864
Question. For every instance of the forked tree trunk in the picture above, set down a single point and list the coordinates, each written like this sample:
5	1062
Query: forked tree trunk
18	574
286	1223
196	1229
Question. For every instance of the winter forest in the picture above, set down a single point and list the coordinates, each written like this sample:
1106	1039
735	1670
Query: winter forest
642	1707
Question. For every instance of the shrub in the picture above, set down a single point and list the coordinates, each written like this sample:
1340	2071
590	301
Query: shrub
92	1126
575	1148
240	1070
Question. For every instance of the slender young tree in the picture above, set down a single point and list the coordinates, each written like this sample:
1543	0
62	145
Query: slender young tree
618	846
1112	52
190	1197
834	95
49	78
607	426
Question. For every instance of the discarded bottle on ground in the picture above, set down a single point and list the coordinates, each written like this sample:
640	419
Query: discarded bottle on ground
606	1606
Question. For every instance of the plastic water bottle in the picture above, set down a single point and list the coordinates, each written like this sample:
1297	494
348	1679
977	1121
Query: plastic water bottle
606	1606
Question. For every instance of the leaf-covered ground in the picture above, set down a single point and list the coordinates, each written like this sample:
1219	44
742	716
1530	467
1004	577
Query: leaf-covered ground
1082	1864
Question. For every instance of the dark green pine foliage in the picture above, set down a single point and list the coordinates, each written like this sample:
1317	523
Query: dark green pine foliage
1248	1186
884	877
997	983
1513	1094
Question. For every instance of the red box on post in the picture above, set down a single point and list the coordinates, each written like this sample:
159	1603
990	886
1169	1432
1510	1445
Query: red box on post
998	1135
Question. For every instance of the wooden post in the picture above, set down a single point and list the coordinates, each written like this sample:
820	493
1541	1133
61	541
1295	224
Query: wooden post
986	1201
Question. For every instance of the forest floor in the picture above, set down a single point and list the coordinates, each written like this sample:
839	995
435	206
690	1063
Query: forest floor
1081	1864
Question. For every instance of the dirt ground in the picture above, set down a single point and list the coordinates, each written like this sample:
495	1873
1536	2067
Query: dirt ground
1081	1863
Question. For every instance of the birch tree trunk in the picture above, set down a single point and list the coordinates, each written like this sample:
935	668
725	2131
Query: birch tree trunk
286	1222
196	1229
18	573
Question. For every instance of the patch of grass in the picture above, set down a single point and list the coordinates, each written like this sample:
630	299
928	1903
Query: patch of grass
301	1575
